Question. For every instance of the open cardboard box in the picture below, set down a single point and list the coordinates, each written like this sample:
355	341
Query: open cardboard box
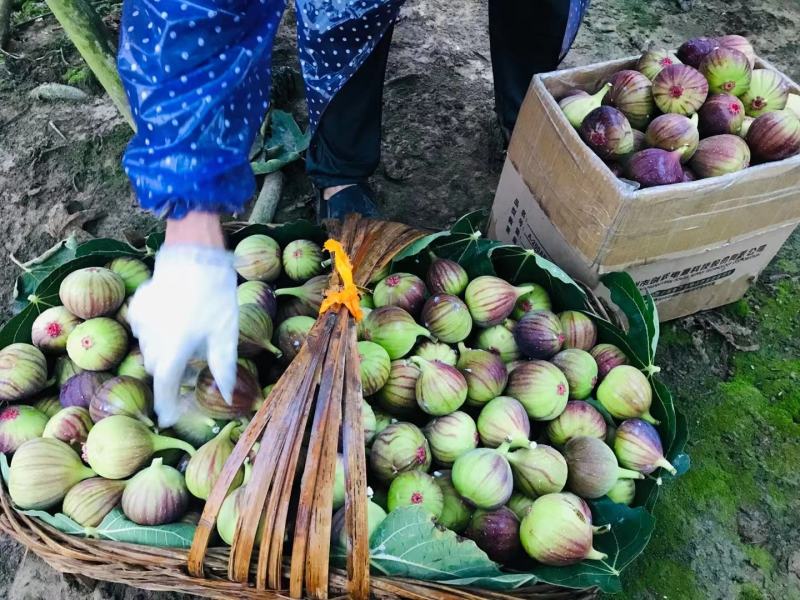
693	246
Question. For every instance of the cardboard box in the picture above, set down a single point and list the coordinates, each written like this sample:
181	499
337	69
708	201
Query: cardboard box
693	245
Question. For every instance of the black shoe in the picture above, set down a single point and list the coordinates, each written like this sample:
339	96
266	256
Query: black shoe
357	198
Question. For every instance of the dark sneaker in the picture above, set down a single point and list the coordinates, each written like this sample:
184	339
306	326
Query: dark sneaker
356	198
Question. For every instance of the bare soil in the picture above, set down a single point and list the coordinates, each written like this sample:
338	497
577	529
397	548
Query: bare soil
728	530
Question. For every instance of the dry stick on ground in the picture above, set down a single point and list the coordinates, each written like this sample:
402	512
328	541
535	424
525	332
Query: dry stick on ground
84	28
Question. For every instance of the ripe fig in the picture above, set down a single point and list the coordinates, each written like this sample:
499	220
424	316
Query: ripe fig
520	504
51	328
483	477
727	70
538	471
398	396
499	339
399	448
653	167
132	271
539	334
740	43
580	370
652	61
579	330
450	436
485	373
674	132
23	372
536	299
626	393
70	425
446	276
81	388
195	426
245	393
680	89
578	105
415	488
156	495
403	290
441	389
133	366
206	464
775	136
608	133
92	292
18	424
394	329
768	92
292	334
455	513
632	94
302	260
722	113
491	300
375	366
607	356
447	318
638	447
578	419
496	532
98	344
540	387
258	292
430	350
592	467
692	52
255	331
720	155
88	502
258	258
122	395
504	419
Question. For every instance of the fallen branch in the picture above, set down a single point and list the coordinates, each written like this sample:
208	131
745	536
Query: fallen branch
84	28
267	202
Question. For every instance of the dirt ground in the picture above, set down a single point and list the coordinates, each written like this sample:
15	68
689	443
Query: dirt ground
730	528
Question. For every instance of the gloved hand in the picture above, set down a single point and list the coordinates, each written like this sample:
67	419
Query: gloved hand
187	310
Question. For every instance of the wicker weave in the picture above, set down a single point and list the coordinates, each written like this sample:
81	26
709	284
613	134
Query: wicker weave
319	391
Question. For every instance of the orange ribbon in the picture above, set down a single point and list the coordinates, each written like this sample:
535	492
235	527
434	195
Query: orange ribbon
347	294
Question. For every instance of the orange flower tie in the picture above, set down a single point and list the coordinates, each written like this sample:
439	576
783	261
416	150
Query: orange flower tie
347	294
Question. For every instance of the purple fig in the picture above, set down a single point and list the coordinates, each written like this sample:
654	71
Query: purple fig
579	330
258	258
483	477
680	89
122	396
722	113
654	167
307	298
768	92
41	473
81	388
775	136
92	292
18	424
456	513
720	155
626	393
652	61
292	334
502	420
394	329
70	425
23	372
403	290
302	260
580	369
540	387
727	70
593	468
485	373
399	448
695	50
538	471
608	133
398	396
536	299
430	350
441	389
539	334
496	532
578	419
450	436
447	318
491	300
446	276
578	105
688	174
607	356
499	339
258	292
156	495
98	344
737	42
415	488
245	392
51	328
374	367
555	533
118	446
632	94
638	447
623	492
520	504
88	502
674	132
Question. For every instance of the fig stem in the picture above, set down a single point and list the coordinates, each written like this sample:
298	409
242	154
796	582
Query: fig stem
603	91
432	255
663	462
504	448
628	474
297	292
162	442
522	290
595	555
227	430
650	419
270	347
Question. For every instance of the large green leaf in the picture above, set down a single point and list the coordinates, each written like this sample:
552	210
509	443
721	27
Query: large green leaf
34	271
408	544
643	325
500	583
285	143
117	528
60	521
108	248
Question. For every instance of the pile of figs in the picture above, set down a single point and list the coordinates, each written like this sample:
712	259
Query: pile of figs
704	111
498	414
76	404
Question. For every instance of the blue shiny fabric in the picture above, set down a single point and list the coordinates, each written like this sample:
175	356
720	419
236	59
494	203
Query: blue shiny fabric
577	9
197	75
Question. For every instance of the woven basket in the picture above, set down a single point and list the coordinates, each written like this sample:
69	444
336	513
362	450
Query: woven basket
319	392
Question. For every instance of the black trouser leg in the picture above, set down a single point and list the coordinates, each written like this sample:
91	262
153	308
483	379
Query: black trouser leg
346	147
526	38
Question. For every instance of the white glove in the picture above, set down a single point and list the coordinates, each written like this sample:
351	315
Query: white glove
188	310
